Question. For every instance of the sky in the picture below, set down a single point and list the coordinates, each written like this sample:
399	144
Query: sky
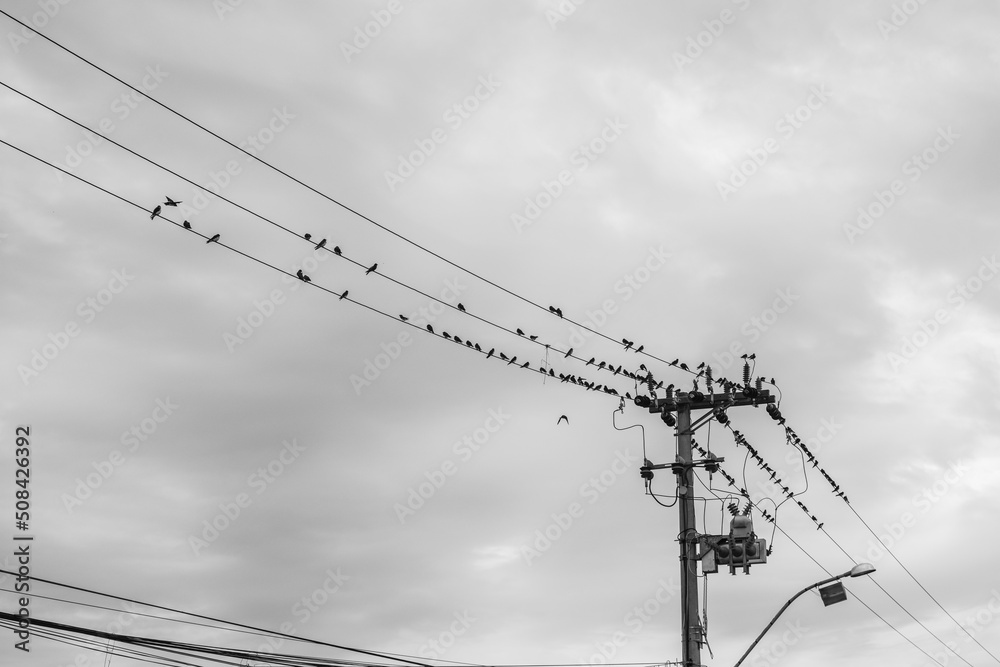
810	183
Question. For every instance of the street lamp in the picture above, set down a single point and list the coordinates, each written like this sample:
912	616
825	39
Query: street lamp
858	570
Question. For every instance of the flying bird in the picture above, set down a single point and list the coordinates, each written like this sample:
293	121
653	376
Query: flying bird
371	268
336	250
171	202
343	296
214	238
156	212
461	307
320	244
187	225
561	418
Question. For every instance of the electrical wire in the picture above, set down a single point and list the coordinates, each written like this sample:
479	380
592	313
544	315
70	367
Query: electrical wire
345	207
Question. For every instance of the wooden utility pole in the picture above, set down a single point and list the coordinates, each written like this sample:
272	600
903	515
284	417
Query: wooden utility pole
692	632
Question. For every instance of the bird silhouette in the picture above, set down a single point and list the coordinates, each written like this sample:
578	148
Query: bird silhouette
533	337
490	353
478	349
561	418
639	349
461	307
308	236
343	296
371	268
187	225
512	360
457	339
156	212
171	202
301	276
568	353
336	250
214	238
684	367
503	356
404	318
446	335
520	333
430	328
592	360
701	365
320	244
674	362
525	365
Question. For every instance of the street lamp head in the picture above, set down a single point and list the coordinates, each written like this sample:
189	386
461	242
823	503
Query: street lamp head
862	569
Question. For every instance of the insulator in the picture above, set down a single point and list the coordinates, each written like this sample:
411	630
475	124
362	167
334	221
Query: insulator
746	373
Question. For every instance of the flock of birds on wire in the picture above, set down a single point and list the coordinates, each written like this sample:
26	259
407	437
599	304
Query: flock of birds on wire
644	376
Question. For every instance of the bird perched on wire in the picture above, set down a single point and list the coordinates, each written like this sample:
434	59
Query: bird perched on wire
343	296
568	353
214	239
187	225
171	202
430	328
520	333
320	244
561	418
336	250
301	276
371	268
156	211
308	236
404	318
461	307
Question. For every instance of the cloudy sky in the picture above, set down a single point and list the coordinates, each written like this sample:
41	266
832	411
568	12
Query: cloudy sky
813	183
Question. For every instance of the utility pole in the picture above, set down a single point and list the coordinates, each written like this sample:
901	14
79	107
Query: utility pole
692	632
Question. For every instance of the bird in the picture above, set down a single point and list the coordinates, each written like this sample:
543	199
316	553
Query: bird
404	318
430	328
684	367
701	365
461	307
512	360
639	349
308	236
214	238
446	335
533	337
343	296
568	353
457	339
171	202
561	418
674	362
156	212
320	244
187	225
301	276
520	333
478	349
490	353
371	268
503	356
592	360
468	343
525	365
336	250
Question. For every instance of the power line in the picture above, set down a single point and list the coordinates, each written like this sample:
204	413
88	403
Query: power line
329	198
564	378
